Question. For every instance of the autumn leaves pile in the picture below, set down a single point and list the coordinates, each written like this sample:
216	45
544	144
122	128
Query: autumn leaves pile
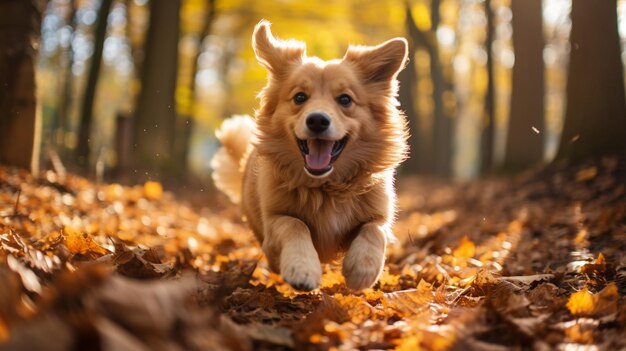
534	262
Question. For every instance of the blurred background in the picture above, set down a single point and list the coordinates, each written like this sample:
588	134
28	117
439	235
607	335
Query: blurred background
135	88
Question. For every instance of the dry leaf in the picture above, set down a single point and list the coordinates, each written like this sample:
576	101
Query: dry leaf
153	190
410	302
586	174
466	248
583	302
29	278
579	335
81	243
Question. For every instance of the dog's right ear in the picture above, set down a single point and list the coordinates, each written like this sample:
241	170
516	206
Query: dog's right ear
274	54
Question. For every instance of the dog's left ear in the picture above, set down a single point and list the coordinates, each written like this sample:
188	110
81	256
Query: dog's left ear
379	63
274	54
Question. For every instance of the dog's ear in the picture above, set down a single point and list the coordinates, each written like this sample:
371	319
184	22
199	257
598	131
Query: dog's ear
380	63
274	54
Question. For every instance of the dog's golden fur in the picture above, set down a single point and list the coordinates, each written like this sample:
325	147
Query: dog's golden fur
302	219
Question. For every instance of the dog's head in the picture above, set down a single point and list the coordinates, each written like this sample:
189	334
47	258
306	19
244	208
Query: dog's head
335	117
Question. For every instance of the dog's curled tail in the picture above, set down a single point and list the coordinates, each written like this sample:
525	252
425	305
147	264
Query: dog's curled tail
229	162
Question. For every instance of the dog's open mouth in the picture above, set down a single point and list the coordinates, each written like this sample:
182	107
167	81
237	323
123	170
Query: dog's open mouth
319	154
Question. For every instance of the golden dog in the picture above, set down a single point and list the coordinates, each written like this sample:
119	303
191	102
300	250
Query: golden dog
314	170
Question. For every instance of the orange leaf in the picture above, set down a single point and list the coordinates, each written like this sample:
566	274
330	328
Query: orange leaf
81	243
579	335
466	248
585	303
586	174
332	278
153	190
581	302
600	259
389	279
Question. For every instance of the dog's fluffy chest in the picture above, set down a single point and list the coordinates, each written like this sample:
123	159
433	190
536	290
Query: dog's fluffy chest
332	220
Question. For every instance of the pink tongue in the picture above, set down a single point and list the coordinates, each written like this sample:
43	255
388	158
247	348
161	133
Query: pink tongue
319	153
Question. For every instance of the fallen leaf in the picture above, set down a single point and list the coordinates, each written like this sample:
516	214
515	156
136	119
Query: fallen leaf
586	174
466	248
270	334
81	243
579	335
29	278
581	302
412	301
153	190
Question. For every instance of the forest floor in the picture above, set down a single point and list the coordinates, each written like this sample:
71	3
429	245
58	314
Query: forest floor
532	262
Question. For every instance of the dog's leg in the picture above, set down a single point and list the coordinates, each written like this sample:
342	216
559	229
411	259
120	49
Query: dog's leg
289	249
365	258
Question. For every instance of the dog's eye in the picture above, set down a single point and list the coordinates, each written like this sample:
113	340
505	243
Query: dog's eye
300	98
344	100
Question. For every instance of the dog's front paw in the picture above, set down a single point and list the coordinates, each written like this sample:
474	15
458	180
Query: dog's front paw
302	270
362	272
364	261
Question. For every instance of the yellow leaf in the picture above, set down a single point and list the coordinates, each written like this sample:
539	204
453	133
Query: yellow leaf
113	192
466	248
585	303
358	309
580	302
586	174
331	278
410	343
81	243
389	279
153	190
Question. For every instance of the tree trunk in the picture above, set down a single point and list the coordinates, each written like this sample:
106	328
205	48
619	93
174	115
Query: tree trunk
66	98
83	150
185	123
524	145
442	122
595	114
435	156
488	128
408	97
20	23
155	121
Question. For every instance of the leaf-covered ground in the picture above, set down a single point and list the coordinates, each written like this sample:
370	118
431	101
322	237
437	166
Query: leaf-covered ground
536	262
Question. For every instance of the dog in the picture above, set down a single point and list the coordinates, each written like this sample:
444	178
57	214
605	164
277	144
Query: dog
314	171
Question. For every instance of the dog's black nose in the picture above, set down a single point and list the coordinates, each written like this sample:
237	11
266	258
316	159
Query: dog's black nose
317	122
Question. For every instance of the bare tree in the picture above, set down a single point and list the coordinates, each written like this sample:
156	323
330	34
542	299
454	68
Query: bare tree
595	114
20	22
